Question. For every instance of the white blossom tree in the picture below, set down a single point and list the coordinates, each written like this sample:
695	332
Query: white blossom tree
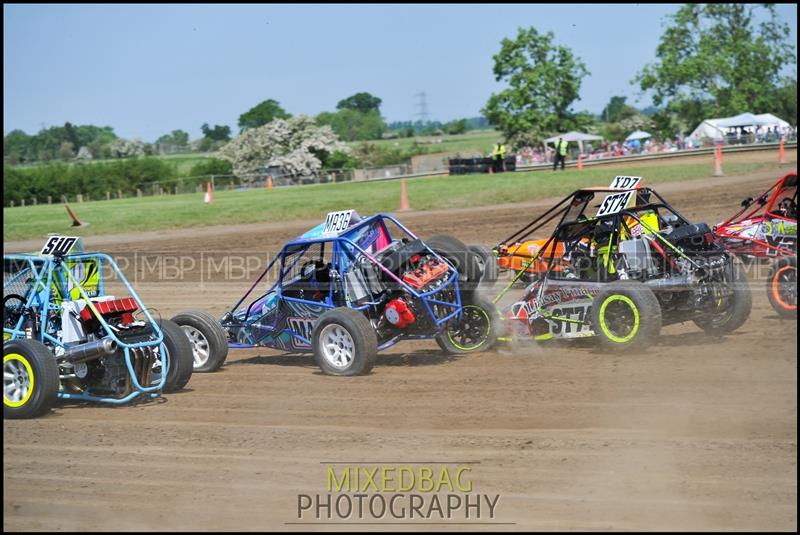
123	148
84	154
297	144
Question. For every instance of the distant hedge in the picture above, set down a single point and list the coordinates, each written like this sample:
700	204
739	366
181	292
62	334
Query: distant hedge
93	179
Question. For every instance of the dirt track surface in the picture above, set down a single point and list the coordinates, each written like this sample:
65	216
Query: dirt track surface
698	433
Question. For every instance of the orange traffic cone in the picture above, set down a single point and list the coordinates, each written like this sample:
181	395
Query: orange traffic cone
209	196
718	161
404	205
580	161
781	153
75	222
269	181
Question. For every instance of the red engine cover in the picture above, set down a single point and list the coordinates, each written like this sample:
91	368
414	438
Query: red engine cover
399	314
116	306
421	276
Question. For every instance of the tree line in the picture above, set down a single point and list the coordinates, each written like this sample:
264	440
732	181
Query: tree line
713	60
88	142
357	118
94	180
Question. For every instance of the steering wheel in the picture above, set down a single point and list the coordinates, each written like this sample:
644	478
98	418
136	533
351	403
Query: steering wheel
308	269
789	207
12	311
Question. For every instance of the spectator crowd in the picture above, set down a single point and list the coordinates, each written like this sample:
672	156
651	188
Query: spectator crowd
604	149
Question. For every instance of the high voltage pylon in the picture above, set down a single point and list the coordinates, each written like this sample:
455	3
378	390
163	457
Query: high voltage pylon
423	107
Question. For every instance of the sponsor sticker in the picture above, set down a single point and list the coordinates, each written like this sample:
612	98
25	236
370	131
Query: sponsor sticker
302	326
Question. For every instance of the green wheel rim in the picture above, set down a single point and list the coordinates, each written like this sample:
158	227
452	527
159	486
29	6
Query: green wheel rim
620	323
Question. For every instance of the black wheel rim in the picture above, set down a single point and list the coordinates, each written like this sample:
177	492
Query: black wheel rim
619	318
473	329
784	286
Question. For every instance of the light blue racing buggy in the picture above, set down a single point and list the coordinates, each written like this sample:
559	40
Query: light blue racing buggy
353	286
64	337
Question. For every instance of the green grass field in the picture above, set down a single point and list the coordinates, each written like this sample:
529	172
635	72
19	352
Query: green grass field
313	202
477	141
183	163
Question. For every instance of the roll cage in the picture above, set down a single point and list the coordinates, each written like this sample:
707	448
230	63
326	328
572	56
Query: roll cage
779	202
45	281
361	242
768	203
573	224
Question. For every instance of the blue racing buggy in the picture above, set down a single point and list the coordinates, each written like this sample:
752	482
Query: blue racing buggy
349	288
64	337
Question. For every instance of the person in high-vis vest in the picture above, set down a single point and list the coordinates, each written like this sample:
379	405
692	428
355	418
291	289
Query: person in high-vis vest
561	153
498	157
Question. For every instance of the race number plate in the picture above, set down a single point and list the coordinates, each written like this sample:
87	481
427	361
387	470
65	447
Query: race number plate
569	321
614	203
58	245
625	182
336	222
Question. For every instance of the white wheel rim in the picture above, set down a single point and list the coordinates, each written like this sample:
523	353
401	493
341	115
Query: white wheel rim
16	381
337	346
200	349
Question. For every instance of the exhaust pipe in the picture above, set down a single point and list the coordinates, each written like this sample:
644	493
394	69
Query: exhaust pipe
89	351
671	284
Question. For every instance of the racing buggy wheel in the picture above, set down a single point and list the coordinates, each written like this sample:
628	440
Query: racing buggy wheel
782	287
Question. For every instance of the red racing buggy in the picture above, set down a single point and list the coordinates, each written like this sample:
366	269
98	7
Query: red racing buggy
765	230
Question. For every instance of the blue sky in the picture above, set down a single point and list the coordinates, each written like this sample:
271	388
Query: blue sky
149	69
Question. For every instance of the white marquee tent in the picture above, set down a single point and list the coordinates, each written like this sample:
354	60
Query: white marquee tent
639	134
717	128
580	137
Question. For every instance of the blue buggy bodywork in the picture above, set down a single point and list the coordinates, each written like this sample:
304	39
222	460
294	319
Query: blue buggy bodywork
283	316
39	292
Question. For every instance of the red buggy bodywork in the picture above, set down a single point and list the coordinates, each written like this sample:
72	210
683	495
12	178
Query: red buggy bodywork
765	230
768	229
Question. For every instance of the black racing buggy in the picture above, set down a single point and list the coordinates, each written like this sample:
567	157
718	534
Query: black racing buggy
621	270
